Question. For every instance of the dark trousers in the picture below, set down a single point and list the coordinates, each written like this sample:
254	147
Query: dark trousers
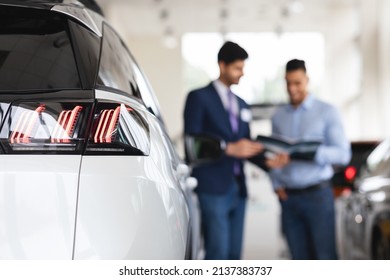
308	222
223	224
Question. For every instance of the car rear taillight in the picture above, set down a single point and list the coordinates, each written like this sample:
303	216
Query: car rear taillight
106	124
66	127
66	124
350	173
47	127
118	130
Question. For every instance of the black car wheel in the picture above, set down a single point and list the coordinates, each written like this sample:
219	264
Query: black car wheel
381	247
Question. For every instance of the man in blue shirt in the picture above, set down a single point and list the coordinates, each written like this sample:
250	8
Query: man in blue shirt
303	186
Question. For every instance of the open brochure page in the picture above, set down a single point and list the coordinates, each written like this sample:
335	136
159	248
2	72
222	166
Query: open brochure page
304	150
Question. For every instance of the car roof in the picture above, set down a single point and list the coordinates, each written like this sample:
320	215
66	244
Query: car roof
50	3
43	4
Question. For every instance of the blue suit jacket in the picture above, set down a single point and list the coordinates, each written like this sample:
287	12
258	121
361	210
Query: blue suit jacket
205	113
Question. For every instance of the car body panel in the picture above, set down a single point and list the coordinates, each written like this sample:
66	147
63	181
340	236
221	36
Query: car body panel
119	197
38	195
92	204
364	213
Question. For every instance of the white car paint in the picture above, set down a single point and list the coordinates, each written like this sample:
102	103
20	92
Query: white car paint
126	211
93	206
131	207
124	207
38	195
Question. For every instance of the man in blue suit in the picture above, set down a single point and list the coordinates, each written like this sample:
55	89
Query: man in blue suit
221	190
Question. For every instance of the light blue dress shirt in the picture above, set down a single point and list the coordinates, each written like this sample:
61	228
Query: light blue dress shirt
312	120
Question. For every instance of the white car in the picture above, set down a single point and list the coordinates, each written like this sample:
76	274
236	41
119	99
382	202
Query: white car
87	170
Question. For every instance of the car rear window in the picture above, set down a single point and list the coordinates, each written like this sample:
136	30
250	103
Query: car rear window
35	51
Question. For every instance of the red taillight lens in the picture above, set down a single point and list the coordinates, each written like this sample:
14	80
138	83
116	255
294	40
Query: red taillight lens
350	173
107	123
118	130
47	127
66	124
25	124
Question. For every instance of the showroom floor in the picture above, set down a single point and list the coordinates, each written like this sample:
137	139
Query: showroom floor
262	239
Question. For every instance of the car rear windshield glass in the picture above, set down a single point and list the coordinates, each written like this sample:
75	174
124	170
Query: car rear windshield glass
35	51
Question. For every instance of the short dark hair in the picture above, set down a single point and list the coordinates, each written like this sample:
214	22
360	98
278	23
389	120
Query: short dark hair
295	64
231	52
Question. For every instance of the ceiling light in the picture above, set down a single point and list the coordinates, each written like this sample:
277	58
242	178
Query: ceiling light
296	7
169	39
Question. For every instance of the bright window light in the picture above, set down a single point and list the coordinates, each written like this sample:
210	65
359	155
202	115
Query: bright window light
263	81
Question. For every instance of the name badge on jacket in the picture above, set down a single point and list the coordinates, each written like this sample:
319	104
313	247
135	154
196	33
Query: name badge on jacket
246	115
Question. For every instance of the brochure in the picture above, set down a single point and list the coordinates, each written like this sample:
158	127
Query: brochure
303	150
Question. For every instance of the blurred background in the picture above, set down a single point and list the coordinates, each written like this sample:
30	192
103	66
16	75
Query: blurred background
345	44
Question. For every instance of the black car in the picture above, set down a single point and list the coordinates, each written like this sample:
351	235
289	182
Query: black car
364	213
344	176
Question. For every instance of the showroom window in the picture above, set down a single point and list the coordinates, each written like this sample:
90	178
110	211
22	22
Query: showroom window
263	81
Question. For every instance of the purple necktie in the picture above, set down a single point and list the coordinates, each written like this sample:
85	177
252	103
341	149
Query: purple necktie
232	117
234	124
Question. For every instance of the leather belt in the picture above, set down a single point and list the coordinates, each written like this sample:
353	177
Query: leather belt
307	189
